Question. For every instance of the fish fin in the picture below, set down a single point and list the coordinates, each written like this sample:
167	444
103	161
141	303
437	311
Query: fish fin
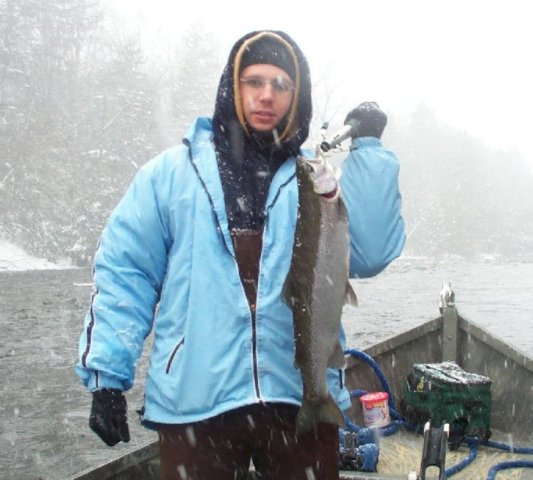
313	413
349	295
337	359
297	358
286	292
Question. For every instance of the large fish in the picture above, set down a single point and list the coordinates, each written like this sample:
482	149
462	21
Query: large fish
316	288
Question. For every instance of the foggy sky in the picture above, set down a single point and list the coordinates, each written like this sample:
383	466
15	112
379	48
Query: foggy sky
468	61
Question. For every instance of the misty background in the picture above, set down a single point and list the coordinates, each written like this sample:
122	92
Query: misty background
90	90
84	102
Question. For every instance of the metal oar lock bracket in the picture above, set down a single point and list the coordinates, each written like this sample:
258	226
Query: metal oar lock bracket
434	450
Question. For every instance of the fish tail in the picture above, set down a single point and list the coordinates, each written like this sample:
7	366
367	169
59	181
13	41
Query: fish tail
313	413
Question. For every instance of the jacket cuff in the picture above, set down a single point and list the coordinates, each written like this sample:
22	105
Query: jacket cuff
343	400
99	380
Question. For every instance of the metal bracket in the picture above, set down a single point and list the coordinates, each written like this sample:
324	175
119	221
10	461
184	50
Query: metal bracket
434	450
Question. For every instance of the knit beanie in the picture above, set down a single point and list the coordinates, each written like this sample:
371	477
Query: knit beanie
268	49
372	119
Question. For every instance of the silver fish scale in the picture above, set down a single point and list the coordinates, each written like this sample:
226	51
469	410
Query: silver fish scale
316	287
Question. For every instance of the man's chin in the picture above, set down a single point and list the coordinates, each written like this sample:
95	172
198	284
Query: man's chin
263	126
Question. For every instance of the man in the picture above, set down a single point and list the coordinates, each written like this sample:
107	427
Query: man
205	232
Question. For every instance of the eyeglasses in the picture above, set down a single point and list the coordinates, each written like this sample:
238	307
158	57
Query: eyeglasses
278	84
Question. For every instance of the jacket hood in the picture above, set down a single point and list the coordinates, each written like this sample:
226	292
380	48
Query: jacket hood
228	119
248	159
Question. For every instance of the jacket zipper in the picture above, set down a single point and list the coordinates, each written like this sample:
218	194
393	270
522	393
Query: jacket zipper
254	354
255	366
173	354
253	310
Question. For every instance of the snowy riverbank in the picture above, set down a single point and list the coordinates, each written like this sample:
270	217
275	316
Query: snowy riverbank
15	258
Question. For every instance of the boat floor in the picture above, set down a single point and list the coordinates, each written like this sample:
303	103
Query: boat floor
401	452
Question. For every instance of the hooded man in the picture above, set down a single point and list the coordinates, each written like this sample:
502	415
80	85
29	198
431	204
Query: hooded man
205	234
262	115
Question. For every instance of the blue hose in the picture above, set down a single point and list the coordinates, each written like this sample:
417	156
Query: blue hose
508	448
473	443
357	393
463	463
505	465
353	427
368	359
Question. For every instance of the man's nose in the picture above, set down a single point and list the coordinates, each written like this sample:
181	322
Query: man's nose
266	92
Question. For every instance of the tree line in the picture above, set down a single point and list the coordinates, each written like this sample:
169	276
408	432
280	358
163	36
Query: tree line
83	106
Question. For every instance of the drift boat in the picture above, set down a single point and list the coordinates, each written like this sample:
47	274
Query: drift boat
448	340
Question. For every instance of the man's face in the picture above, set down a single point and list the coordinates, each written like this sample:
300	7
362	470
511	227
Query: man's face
266	95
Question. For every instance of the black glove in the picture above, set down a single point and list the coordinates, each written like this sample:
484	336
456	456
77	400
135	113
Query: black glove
371	118
108	418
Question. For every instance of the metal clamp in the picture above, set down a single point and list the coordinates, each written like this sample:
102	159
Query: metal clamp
434	449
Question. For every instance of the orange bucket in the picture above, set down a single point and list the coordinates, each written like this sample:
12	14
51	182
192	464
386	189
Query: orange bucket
376	409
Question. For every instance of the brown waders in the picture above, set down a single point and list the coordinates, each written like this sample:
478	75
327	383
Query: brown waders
221	448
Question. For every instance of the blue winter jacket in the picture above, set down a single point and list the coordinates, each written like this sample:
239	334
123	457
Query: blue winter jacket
167	244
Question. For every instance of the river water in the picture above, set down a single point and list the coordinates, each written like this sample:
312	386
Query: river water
43	410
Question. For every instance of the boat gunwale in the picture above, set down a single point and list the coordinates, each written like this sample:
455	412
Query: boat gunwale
496	343
118	465
466	325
